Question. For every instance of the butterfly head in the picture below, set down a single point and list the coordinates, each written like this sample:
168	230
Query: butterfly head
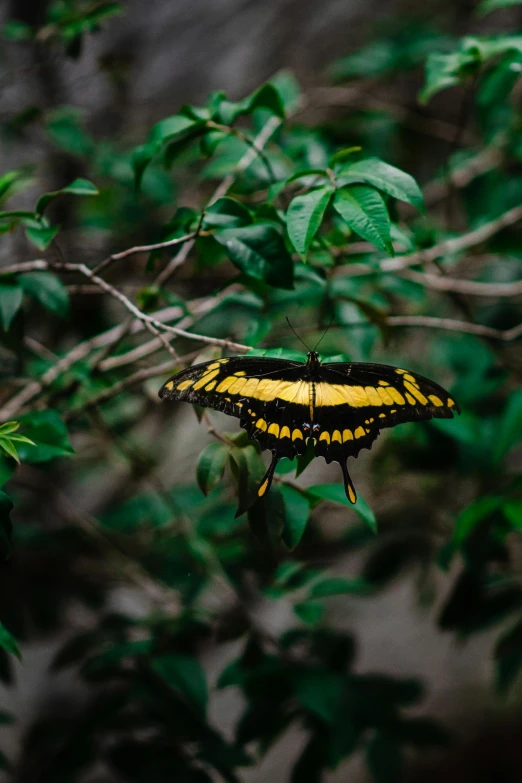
313	357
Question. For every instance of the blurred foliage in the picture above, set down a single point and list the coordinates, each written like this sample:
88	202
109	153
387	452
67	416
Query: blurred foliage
298	218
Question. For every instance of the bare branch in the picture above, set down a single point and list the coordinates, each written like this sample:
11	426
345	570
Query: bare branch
470	287
131	251
25	266
452	325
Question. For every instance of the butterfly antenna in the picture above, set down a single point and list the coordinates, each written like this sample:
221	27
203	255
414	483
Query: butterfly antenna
293	330
323	334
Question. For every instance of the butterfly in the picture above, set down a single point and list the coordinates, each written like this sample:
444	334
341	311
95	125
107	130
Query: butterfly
340	406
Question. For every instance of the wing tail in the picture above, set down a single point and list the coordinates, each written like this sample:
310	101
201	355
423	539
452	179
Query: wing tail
348	484
269	475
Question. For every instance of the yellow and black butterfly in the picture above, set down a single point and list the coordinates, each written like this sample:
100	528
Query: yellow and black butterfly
282	404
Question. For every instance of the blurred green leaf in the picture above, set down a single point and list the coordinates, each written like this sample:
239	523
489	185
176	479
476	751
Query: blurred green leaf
310	612
64	127
383	756
16	30
338	586
41	236
184	674
492	5
513	512
474	514
297	512
211	466
47	289
80	187
9	643
11	298
335	494
248	470
322	693
509	430
47	430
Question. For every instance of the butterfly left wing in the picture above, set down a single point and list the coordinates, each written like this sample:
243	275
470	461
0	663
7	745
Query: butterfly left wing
267	395
354	401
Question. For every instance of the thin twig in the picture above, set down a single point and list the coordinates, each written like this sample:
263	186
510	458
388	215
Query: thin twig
131	251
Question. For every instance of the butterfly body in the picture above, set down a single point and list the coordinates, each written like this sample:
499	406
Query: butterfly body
283	404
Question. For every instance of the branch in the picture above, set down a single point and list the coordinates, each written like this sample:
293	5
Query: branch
452	325
137	377
76	354
456	245
146	249
470	287
447	247
198	308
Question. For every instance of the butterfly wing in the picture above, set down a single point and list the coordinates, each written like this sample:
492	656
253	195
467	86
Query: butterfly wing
267	395
354	401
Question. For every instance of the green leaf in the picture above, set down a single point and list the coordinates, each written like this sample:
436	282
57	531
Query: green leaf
513	512
211	466
267	97
364	210
80	187
387	178
7	446
14	181
338	586
8	642
172	127
15	30
310	612
184	674
259	251
492	5
305	215
41	236
11	298
47	289
9	427
48	432
64	127
383	756
473	515
288	89
226	213
322	693
248	470
447	70
297	512
335	494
